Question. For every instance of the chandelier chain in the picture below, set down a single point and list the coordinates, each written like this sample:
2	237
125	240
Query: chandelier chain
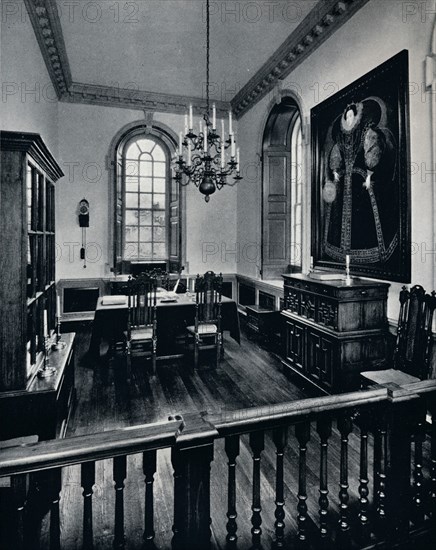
207	55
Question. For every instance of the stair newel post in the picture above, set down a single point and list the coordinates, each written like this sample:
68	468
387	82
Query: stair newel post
257	444
401	418
302	433
191	458
87	482
149	469
345	426
280	438
324	429
232	451
119	472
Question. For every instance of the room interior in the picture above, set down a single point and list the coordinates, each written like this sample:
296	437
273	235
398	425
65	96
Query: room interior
306	415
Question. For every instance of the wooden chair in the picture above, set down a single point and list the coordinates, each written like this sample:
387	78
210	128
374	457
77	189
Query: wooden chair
206	334
141	324
411	360
162	278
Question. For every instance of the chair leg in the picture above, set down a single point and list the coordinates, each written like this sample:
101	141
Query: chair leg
196	354
128	362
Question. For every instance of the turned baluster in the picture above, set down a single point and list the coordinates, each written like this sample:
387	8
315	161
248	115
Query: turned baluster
149	469
280	438
18	487
344	427
119	472
232	451
380	455
87	482
324	429
257	446
419	438
55	525
364	422
433	459
302	433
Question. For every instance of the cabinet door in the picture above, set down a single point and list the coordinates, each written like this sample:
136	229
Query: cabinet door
295	344
321	359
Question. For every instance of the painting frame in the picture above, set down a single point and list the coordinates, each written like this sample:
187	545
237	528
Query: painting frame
361	199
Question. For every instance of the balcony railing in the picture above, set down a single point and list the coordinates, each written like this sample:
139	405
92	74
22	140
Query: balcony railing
390	502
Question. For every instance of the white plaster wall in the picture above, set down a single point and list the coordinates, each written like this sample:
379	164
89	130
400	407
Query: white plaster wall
377	32
28	102
85	134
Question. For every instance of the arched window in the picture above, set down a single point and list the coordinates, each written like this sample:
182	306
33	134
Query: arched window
282	191
147	226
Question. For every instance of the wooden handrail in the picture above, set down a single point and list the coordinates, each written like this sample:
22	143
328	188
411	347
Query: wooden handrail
76	450
265	417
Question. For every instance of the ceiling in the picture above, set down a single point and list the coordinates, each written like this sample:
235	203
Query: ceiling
159	45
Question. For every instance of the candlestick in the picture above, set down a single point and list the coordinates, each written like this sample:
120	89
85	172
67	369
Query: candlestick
205	140
213	116
237	159
230	123
45	323
180	144
58	306
190	118
201	126
232	140
347	270
222	155
186	124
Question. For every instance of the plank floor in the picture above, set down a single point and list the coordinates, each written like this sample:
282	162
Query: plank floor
247	376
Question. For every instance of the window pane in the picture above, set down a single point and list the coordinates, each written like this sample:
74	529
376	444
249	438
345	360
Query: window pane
146	145
159	218
131	168
131	200
131	251
146	235
159	169
159	251
145	217
132	151
146	185
131	217
145	169
132	233
159	234
145	250
158	154
132	183
145	200
159	185
158	201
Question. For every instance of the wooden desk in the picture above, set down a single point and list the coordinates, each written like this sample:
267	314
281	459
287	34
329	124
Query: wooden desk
172	318
44	407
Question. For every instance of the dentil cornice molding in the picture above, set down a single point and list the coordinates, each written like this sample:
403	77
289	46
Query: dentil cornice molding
322	21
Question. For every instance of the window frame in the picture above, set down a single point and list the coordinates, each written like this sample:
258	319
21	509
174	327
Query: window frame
175	197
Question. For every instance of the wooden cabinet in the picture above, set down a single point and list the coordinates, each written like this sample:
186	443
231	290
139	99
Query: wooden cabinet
28	404
27	255
333	331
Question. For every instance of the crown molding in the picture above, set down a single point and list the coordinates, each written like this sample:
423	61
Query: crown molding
322	21
138	99
45	21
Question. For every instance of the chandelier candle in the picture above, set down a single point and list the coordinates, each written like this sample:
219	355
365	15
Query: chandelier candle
205	163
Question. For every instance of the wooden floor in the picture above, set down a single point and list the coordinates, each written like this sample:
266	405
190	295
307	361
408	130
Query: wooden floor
247	376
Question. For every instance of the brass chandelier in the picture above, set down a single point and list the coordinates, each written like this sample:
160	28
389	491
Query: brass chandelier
202	157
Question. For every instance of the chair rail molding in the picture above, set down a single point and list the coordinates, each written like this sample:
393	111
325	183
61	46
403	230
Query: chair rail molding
320	23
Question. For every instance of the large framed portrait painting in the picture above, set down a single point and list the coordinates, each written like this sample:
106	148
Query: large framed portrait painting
360	175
